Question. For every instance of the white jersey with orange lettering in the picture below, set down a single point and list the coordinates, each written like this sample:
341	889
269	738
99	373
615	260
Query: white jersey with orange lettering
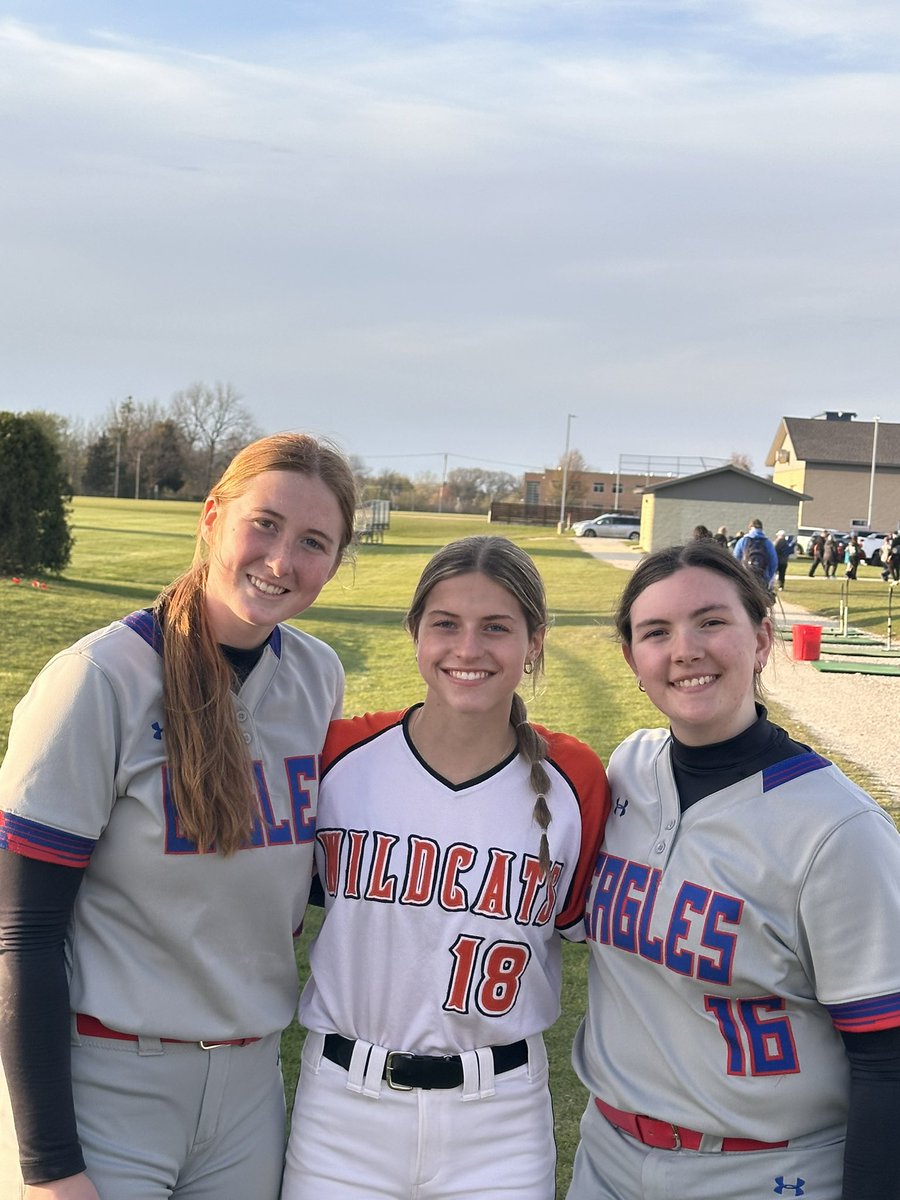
733	942
167	938
435	891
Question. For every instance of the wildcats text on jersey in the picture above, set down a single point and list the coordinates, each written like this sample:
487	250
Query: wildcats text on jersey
458	877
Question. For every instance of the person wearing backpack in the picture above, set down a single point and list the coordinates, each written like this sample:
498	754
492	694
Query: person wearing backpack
757	553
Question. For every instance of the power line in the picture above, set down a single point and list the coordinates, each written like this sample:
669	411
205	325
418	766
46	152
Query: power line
466	457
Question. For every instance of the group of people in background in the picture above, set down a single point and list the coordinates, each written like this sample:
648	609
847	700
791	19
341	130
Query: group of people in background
173	779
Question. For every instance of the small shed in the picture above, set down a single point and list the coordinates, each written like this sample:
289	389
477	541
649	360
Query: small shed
729	496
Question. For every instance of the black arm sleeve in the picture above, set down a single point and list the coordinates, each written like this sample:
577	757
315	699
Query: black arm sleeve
872	1154
36	901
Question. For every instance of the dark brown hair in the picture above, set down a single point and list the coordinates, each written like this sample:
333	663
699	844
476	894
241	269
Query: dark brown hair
700	553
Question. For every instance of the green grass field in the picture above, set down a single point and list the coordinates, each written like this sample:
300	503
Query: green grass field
125	551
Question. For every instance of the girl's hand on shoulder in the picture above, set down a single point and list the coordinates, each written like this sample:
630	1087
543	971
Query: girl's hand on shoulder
73	1187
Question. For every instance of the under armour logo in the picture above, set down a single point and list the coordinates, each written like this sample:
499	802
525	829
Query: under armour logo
157	731
796	1187
620	807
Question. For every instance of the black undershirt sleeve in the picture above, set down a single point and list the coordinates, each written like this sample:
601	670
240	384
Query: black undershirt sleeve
872	1153
36	901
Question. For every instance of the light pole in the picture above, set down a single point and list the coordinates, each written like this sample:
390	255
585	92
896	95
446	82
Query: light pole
872	476
565	476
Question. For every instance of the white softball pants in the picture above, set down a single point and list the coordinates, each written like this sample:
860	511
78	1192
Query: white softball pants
353	1136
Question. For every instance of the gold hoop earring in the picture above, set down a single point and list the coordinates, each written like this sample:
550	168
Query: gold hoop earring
528	669
641	687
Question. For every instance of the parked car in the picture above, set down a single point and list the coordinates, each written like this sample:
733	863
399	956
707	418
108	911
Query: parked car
609	525
871	544
805	536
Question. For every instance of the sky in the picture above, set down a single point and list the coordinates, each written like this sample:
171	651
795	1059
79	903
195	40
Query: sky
453	232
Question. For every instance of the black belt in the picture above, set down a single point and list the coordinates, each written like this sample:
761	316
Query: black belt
403	1071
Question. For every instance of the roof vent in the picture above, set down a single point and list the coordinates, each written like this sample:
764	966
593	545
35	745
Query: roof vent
839	416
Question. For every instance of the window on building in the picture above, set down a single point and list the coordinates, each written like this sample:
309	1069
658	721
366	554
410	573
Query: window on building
532	492
599	488
618	489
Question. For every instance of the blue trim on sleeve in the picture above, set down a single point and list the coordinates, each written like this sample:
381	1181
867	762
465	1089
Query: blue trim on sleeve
792	768
146	626
35	840
863	1016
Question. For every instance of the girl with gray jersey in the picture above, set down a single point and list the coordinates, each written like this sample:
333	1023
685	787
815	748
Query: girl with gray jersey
157	816
742	1035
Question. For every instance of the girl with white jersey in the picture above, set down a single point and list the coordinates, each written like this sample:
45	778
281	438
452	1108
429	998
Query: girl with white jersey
454	843
742	1036
157	815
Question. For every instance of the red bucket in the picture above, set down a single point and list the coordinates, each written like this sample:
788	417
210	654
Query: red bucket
807	641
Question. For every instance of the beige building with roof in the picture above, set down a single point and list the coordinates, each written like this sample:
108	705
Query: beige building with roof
829	458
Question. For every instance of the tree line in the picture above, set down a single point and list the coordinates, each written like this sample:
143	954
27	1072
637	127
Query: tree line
148	450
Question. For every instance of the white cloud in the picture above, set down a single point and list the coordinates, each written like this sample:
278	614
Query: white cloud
487	221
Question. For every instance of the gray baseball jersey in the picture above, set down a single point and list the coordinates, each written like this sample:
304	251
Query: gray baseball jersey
167	938
732	942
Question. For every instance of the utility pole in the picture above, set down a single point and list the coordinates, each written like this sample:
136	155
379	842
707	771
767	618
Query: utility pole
872	476
565	477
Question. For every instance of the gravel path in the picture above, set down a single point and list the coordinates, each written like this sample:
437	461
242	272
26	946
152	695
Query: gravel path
855	716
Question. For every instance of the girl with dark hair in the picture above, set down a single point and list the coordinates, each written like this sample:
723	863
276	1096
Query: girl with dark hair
742	1035
157	807
454	845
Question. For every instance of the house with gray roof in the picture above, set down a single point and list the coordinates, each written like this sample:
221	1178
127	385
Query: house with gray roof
729	496
830	458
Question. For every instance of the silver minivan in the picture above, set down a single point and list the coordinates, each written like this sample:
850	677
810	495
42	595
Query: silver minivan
609	525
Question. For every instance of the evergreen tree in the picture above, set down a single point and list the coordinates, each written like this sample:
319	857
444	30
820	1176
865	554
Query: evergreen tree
34	530
99	468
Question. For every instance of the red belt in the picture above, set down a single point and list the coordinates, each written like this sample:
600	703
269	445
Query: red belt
663	1135
91	1027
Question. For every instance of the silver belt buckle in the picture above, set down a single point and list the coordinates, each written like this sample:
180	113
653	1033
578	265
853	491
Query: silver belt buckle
213	1045
676	1135
389	1071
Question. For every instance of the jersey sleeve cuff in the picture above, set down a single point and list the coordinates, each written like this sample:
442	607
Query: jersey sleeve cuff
31	839
864	1016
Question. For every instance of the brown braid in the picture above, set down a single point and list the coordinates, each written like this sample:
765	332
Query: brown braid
533	748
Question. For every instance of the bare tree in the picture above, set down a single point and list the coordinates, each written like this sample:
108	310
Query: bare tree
740	459
472	489
575	468
213	420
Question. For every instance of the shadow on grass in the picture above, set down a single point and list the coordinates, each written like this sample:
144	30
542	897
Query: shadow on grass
126	533
130	592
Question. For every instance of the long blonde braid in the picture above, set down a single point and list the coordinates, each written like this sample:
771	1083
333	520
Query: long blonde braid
533	748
